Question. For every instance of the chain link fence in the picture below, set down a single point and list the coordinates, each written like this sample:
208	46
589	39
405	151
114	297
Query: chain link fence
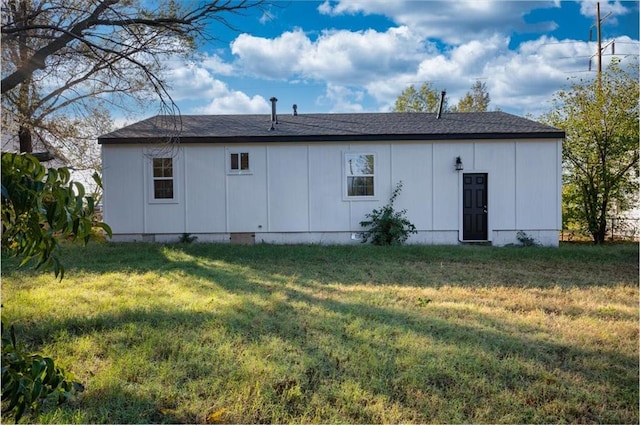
624	228
619	228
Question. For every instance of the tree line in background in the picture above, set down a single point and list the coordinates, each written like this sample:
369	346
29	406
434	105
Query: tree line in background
426	98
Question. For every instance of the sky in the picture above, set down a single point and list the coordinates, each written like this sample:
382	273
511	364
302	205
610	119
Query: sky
359	55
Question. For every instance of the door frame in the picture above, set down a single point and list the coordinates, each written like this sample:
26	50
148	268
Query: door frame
461	205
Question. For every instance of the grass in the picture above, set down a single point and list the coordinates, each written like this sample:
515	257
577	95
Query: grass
196	333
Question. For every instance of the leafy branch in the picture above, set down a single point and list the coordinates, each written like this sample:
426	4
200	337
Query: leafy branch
41	207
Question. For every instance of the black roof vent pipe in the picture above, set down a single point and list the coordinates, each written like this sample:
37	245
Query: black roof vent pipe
274	116
441	105
295	110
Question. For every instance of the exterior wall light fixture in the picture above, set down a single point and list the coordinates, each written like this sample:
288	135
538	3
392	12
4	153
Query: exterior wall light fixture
459	166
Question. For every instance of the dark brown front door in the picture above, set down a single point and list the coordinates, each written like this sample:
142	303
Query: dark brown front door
474	213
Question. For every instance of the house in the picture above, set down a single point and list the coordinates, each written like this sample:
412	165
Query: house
311	178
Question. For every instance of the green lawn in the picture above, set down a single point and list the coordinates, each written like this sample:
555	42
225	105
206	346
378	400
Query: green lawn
359	334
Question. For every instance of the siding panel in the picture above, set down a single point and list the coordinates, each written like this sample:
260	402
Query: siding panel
288	189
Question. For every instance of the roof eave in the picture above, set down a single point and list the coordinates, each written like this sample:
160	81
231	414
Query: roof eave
288	138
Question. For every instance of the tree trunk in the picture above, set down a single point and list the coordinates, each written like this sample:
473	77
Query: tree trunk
599	237
599	231
24	136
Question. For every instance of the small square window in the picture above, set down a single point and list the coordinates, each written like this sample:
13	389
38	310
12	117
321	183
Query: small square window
239	161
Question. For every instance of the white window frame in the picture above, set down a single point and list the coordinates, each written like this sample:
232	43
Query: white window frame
346	171
239	170
175	168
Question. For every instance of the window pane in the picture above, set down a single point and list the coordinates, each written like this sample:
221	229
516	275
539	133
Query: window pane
168	167
162	167
234	161
360	186
157	167
163	189
244	161
358	165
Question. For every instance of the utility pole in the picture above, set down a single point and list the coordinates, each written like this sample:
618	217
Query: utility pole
598	25
599	35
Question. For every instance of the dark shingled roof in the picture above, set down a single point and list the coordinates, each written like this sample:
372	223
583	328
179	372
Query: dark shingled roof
330	128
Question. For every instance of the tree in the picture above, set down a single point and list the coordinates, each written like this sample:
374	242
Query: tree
425	99
66	62
600	153
476	100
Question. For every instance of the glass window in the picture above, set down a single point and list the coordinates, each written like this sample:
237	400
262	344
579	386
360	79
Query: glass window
163	178
239	161
360	172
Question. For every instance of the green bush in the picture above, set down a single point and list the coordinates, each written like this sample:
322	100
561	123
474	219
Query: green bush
526	240
386	226
30	380
40	207
187	238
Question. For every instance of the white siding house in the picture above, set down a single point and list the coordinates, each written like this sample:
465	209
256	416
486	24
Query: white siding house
311	178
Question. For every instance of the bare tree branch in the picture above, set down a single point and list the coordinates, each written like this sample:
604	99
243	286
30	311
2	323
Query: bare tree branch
38	59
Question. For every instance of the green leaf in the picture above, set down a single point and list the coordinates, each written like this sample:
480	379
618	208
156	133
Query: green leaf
106	228
90	204
97	179
37	389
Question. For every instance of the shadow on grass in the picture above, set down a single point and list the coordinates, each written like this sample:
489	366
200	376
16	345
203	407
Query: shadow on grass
464	266
468	362
339	341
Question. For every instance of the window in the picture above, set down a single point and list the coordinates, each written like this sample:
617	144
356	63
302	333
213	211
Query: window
239	162
360	172
163	178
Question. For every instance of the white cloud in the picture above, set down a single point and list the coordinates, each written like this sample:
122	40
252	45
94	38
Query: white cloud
588	9
337	55
342	99
194	84
353	57
370	67
191	81
454	22
522	81
326	8
235	102
217	65
376	65
271	58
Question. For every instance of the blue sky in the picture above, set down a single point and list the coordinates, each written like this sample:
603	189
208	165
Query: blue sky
358	56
